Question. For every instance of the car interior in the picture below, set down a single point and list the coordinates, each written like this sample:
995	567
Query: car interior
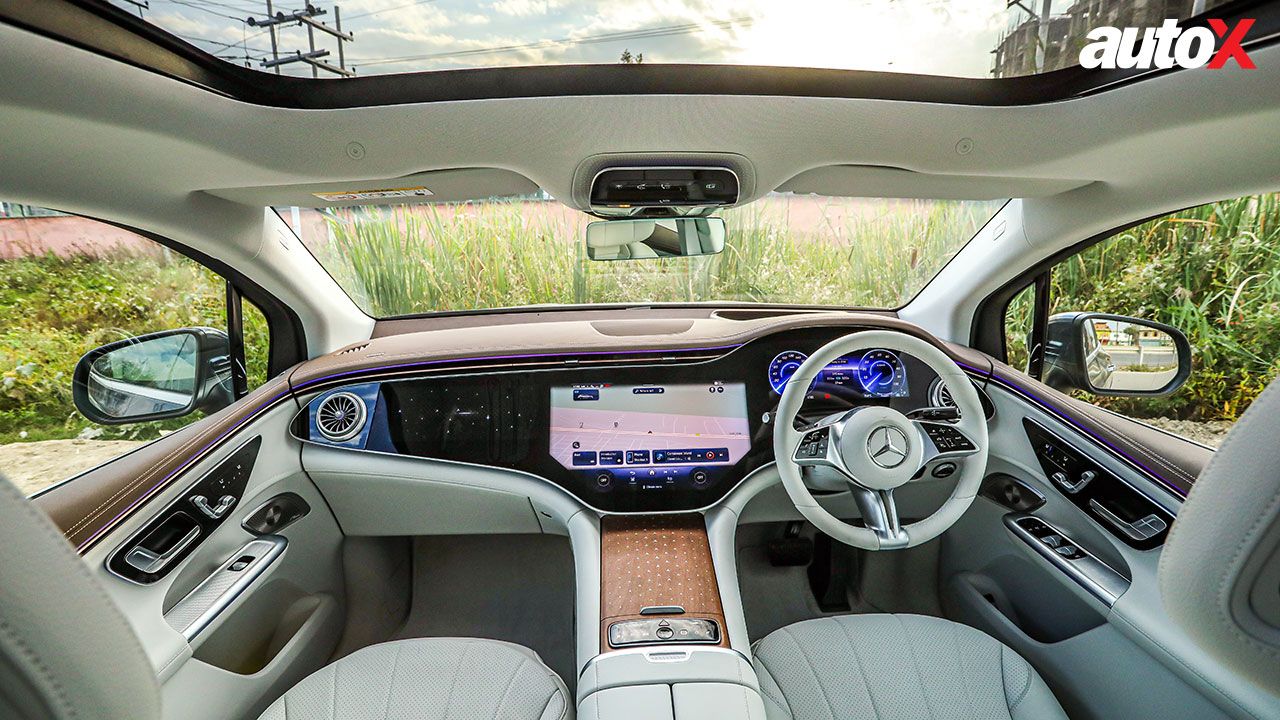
630	509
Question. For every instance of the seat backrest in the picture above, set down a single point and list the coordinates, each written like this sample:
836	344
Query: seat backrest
1220	569
66	652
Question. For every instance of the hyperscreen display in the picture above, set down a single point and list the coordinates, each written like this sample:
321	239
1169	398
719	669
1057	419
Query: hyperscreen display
649	436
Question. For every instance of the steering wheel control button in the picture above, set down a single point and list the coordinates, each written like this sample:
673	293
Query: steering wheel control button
944	470
947	438
814	444
888	446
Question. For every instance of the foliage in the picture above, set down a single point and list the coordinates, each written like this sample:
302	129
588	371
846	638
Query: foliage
501	254
1212	271
53	310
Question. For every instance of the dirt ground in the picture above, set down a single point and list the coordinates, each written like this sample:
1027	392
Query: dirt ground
34	465
1207	433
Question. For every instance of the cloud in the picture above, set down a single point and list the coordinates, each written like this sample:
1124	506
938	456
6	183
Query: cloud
951	37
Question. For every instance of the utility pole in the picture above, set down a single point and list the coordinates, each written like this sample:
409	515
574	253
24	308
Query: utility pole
312	56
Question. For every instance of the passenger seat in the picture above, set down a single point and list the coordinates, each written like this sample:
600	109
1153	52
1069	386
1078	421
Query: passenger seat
445	678
67	653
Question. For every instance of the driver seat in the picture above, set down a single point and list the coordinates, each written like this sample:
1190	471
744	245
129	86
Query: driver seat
896	667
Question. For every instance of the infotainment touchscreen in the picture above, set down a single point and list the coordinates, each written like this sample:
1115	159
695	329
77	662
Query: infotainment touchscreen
649	436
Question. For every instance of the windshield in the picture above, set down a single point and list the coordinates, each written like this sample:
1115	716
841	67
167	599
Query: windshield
784	249
968	38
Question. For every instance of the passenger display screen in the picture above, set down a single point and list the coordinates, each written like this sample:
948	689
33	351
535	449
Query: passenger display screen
649	435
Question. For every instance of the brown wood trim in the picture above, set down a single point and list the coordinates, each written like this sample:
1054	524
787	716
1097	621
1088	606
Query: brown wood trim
92	504
650	560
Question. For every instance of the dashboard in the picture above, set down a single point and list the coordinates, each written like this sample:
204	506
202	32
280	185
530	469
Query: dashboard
675	436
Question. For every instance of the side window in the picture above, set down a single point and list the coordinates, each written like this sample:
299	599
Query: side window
1210	272
69	286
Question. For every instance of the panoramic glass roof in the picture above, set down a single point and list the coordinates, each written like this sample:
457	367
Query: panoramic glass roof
964	38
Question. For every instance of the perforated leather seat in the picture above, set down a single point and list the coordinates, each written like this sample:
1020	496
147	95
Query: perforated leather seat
896	667
429	679
67	653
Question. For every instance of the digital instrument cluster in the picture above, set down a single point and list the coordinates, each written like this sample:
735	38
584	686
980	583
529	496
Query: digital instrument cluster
873	373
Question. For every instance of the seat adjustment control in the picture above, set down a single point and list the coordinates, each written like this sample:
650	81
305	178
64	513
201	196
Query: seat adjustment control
213	512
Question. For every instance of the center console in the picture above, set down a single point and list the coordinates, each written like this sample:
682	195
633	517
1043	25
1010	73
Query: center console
658	582
664	649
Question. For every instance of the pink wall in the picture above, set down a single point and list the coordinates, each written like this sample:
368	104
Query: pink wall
66	236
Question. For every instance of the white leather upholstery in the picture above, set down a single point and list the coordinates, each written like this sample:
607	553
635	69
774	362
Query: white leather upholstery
429	679
1220	568
66	652
896	667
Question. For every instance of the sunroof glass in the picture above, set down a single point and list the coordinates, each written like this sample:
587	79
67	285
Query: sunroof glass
966	38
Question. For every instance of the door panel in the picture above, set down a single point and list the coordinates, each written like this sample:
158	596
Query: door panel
94	503
1106	655
241	617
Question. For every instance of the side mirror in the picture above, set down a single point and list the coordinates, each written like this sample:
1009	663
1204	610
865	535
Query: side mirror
632	239
1114	355
152	377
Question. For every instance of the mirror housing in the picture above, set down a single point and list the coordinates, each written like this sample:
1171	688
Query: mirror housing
156	376
1114	355
637	239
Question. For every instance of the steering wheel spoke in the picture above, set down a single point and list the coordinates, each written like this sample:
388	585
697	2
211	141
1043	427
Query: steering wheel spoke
880	514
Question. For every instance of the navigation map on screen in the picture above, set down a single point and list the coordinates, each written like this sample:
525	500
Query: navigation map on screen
660	429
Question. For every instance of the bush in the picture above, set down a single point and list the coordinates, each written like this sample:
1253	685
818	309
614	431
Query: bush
53	310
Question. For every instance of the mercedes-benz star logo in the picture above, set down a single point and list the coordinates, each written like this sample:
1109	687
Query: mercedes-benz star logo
887	446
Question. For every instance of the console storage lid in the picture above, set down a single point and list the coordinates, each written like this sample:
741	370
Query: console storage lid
666	665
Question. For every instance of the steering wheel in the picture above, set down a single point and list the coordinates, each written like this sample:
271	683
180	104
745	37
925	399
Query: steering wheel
878	449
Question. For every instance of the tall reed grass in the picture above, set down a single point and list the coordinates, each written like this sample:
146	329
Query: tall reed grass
1212	271
501	254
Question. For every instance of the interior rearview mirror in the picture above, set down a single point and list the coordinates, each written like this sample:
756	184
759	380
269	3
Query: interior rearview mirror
152	377
1114	355
633	239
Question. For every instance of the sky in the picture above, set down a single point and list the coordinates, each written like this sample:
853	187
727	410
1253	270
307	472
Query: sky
945	37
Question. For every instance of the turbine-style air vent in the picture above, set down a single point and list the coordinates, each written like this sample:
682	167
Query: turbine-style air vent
940	395
340	417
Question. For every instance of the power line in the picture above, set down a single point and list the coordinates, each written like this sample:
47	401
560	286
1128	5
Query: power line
201	8
640	34
313	56
389	9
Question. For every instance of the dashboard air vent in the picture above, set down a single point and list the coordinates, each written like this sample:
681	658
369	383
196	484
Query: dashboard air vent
353	349
340	417
940	396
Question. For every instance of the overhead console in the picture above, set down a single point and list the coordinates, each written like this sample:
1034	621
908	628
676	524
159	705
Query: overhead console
662	187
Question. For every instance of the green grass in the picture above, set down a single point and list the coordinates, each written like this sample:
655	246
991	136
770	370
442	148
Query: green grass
398	262
1212	271
53	310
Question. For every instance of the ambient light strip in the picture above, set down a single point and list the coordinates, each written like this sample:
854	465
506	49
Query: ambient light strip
1065	417
384	369
372	371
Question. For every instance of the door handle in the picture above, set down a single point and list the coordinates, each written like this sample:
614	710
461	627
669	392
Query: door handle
1140	529
151	562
